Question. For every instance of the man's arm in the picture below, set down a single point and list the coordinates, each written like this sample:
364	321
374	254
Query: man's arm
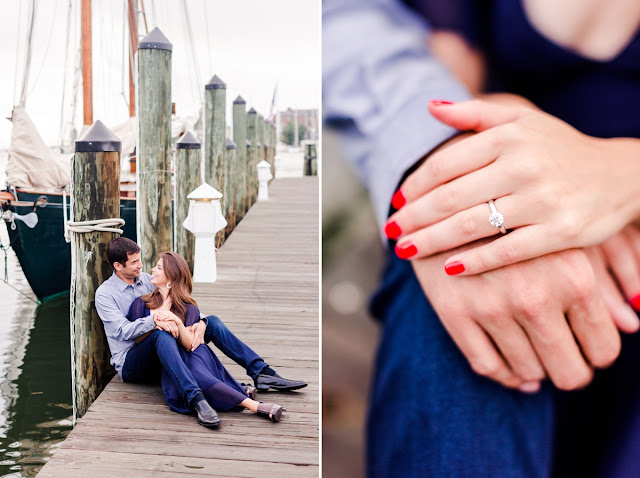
378	77
116	325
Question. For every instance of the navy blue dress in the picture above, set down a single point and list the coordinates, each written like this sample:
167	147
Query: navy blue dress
456	423
219	387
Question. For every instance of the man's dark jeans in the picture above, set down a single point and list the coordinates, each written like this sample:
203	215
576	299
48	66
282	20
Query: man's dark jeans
159	351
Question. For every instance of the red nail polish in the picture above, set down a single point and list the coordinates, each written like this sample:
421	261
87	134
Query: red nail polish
406	250
440	102
392	230
398	200
454	268
635	302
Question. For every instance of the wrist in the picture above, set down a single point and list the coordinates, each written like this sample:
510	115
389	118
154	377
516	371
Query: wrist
626	172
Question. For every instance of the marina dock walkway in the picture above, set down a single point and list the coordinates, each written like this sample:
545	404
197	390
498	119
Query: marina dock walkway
267	293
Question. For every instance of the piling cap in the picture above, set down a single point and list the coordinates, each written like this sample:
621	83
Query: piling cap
231	144
260	116
155	40
252	112
258	144
188	141
248	143
98	138
204	191
239	101
215	83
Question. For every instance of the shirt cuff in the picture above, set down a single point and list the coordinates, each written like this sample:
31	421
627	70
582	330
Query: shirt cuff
408	137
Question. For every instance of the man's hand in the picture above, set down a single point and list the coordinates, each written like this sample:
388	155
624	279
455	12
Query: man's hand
519	323
197	330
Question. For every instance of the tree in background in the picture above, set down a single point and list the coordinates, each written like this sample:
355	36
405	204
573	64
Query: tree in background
288	133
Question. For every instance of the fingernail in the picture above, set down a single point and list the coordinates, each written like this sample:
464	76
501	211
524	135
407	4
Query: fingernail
392	230
398	200
454	268
529	387
406	250
635	302
440	102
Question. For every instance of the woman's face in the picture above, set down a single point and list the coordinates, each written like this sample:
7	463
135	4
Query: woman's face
158	278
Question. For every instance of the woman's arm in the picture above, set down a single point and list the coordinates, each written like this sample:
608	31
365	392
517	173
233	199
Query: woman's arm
184	337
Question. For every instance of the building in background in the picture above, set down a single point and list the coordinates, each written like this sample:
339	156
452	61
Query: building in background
307	118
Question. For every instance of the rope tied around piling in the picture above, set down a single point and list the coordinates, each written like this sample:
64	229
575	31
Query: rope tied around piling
82	227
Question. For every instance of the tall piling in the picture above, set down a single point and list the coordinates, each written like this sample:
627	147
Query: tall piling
95	178
154	216
240	138
252	160
188	176
231	185
215	103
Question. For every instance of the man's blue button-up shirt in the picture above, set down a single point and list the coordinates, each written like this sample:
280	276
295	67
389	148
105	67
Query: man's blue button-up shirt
113	300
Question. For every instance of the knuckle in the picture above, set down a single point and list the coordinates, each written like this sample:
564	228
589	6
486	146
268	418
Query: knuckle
447	198
509	253
486	367
532	303
468	224
435	168
575	381
605	357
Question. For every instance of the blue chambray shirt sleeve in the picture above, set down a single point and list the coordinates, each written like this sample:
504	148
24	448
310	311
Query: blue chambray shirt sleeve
116	325
378	78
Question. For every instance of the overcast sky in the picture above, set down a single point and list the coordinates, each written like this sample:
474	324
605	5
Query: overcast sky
251	44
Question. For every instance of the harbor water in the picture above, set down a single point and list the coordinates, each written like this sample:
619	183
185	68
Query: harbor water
35	370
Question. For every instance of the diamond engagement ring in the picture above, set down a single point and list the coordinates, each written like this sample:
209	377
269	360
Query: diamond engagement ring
496	219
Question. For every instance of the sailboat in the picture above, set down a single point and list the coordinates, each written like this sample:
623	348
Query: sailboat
36	199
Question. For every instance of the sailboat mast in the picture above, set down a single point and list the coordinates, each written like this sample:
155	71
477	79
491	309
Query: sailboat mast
133	34
87	70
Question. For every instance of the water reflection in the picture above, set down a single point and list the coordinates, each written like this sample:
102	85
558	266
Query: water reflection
35	374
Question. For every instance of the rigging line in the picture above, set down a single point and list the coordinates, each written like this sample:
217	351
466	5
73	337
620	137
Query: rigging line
27	63
206	23
55	13
15	78
193	50
124	54
64	81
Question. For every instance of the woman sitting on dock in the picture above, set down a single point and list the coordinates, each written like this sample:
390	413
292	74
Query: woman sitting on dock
171	301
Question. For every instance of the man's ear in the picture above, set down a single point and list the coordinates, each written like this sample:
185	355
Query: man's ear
117	266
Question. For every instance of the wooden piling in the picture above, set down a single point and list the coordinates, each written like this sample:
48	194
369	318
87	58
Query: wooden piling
154	216
252	153
215	99
231	187
188	177
240	138
310	160
95	178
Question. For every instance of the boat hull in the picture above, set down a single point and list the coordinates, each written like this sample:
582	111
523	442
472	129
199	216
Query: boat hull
43	253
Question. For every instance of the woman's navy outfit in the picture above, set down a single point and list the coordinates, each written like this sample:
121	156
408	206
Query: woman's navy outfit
219	387
430	414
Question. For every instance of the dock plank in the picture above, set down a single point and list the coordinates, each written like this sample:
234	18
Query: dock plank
267	294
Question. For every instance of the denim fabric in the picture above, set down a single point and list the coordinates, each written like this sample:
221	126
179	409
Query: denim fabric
159	351
430	414
218	333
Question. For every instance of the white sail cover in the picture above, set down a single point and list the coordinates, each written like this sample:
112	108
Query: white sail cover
31	164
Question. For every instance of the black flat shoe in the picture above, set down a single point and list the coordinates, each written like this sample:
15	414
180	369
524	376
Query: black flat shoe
250	390
207	416
277	382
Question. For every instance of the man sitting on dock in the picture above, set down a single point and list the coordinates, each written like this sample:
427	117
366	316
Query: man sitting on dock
140	362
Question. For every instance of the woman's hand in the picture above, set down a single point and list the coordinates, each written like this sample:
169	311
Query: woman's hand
555	187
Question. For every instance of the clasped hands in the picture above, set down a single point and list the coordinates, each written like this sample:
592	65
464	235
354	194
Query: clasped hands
538	301
171	323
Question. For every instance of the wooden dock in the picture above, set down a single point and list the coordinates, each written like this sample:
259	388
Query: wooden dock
267	293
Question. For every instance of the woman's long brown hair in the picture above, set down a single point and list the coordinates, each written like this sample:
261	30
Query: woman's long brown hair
177	271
